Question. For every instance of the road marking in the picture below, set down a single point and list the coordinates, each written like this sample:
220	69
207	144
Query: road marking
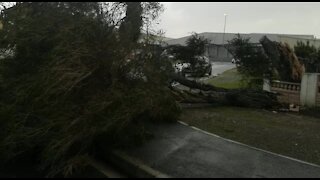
137	163
106	169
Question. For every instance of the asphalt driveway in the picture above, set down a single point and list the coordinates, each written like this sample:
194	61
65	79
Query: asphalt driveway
179	150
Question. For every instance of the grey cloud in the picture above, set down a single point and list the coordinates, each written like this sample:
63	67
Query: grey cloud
179	19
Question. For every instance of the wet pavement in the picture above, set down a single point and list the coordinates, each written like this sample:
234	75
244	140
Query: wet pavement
181	151
220	67
217	69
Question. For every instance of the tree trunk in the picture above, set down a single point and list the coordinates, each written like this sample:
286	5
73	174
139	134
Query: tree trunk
237	97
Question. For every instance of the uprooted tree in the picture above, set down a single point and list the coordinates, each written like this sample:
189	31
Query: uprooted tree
205	93
77	77
265	60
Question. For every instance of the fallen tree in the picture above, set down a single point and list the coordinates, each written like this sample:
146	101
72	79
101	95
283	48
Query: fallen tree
283	62
205	93
193	84
75	81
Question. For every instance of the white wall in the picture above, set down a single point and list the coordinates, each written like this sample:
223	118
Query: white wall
308	90
266	85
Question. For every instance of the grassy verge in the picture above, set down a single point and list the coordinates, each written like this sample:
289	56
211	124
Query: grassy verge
293	135
229	79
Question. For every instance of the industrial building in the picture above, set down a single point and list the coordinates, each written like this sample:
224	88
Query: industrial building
216	50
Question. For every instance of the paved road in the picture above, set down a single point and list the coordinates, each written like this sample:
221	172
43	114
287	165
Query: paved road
181	151
220	67
217	68
103	169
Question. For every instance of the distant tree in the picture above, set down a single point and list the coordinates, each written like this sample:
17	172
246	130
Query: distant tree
197	44
267	59
251	62
181	53
191	53
284	63
309	55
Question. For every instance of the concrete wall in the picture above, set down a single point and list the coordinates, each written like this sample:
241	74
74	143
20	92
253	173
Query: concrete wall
306	93
266	85
289	93
309	89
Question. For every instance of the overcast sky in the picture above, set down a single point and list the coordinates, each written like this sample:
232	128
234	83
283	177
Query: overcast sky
181	18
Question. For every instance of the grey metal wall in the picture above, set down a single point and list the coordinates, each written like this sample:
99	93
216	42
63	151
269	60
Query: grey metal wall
218	53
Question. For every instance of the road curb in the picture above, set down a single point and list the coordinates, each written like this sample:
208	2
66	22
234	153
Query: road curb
251	147
133	167
104	168
196	105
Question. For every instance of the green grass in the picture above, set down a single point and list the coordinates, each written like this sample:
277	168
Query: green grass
290	134
230	79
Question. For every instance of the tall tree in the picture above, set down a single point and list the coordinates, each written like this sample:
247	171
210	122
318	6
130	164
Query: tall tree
251	62
191	53
309	55
267	59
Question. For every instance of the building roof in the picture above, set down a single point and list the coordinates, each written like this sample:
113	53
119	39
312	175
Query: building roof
217	38
157	39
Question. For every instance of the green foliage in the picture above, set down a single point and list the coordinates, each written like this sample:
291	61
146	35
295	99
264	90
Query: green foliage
180	53
268	59
250	60
309	55
72	82
197	44
191	54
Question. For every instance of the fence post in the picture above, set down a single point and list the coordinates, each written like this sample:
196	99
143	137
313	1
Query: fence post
266	85
308	90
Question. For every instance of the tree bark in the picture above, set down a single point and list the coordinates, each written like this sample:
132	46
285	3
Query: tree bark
235	97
